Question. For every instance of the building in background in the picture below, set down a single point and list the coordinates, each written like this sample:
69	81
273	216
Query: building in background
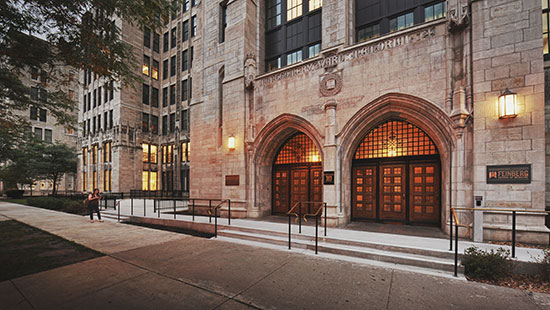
385	110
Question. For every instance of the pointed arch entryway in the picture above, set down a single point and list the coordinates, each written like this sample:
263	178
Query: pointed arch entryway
366	141
287	142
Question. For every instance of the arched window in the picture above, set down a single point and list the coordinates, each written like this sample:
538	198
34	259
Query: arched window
297	150
394	139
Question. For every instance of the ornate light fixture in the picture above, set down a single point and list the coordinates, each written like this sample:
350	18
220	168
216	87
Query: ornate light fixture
507	104
231	143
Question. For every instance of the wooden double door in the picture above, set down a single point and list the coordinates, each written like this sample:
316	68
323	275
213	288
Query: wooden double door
407	191
294	184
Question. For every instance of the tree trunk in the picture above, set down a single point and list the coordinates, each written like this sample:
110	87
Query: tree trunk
54	179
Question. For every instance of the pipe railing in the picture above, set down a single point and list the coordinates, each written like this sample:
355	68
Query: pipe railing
457	224
296	210
215	208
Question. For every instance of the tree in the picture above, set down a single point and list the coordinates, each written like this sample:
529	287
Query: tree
53	161
21	170
50	35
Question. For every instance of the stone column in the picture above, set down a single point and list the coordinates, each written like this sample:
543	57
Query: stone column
330	161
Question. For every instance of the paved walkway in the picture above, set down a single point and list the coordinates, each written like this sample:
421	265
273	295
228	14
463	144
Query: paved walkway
149	269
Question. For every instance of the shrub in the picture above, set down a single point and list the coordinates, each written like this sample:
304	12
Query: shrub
489	265
545	265
15	193
58	204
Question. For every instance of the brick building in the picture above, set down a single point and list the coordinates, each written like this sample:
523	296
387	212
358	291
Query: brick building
385	110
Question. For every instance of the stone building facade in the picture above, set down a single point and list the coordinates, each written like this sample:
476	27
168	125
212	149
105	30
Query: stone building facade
385	110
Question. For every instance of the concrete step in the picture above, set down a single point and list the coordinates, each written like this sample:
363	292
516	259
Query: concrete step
421	259
385	246
113	216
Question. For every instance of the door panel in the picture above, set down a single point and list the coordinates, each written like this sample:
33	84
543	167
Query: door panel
364	192
316	187
299	185
392	192
424	193
280	191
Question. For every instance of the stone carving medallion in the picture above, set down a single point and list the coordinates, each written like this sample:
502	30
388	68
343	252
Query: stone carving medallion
249	71
330	84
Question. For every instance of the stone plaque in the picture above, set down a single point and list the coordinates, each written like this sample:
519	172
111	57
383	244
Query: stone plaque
232	180
509	174
328	177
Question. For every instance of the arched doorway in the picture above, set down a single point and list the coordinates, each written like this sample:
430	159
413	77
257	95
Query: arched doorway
297	173
396	176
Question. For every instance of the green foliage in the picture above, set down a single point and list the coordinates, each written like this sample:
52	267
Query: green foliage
53	36
58	204
489	265
545	265
15	193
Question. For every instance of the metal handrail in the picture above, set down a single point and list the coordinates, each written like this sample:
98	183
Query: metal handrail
457	224
299	215
215	208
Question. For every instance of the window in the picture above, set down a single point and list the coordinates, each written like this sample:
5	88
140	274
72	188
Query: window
165	42
293	9
99	96
172	122
94	154
106	120
38	133
545	27
165	69
107	151
165	97
402	22
165	125
154	124
111	119
99	122
172	94
42	113
155	70
145	122
149	180
34	93
34	75
95	98
172	65
193	26
34	114
94	179
84	156
145	94
315	4
145	67
185	151
437	11
84	183
156	42
314	50
273	13
147	37
191	57
185	179
186	6
89	101
43	95
184	60
368	32
105	94
111	90
190	88
184	91
185	31
173	38
149	153
294	57
48	135
167	154
223	21
107	179
185	120
94	128
84	106
193	2
155	97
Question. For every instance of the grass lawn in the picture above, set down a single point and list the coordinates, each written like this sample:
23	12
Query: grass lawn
26	250
21	201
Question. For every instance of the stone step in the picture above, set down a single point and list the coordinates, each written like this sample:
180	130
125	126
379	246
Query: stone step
385	246
423	260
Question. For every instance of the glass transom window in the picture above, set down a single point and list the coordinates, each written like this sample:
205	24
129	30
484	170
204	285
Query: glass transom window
402	22
294	9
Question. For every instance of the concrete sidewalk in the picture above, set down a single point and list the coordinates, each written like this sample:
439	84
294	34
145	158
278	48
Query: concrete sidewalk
150	269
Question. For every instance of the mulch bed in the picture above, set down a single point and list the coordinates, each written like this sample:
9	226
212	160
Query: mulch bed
522	282
27	250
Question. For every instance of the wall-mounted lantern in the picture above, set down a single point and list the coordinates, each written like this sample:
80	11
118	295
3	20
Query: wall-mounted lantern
231	143
507	104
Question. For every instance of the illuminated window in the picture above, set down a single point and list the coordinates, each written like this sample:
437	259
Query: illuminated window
149	180
94	180
315	4
185	151
293	9
145	149
167	154
437	11
84	181
149	154
84	156
545	26
155	72
294	57
145	67
298	149
273	64
107	180
107	151
145	180
94	154
394	139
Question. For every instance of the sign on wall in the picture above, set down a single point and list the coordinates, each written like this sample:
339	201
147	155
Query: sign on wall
232	180
509	174
328	177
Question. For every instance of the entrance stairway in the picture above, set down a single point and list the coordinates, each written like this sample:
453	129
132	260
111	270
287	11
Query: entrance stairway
382	252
